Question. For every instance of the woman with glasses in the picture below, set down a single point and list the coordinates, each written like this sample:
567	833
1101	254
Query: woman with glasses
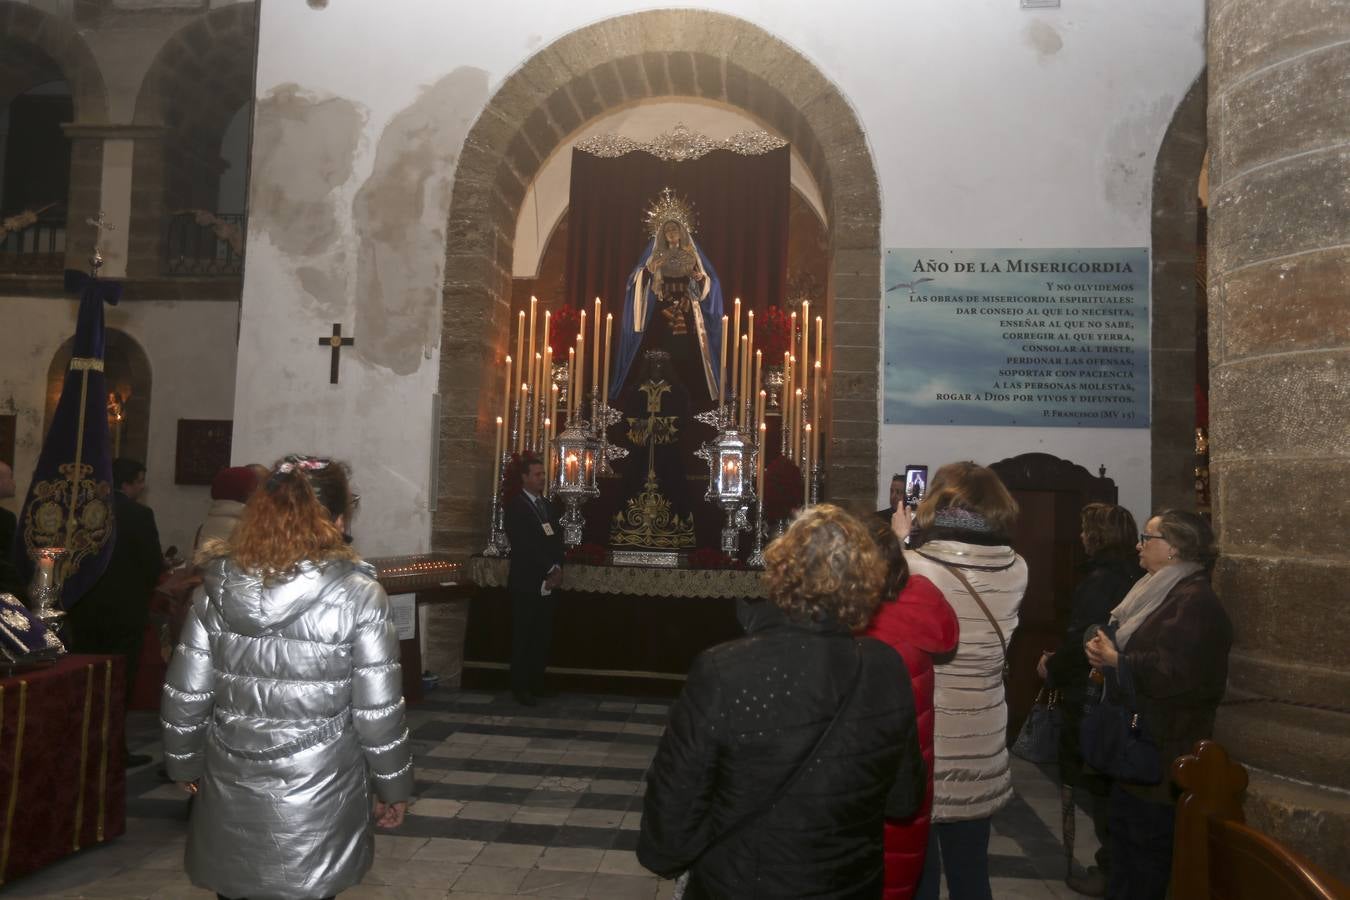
1168	643
283	708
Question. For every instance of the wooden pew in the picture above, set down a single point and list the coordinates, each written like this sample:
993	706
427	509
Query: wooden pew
1216	855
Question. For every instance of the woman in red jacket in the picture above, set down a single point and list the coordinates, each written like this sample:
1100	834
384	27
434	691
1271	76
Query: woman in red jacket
917	621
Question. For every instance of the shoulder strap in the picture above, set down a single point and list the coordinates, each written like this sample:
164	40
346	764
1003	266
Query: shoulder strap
805	762
960	576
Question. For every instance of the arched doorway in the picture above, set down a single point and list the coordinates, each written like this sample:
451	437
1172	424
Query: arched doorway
126	368
1175	334
666	53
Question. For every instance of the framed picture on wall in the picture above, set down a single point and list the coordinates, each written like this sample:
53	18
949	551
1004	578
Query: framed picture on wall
8	428
203	449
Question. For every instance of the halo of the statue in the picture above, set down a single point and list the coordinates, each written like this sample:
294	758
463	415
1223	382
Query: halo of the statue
669	207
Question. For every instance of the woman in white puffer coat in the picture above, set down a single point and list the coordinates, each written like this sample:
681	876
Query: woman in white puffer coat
283	709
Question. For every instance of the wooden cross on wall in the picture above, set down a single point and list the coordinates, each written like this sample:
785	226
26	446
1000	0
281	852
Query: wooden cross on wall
335	342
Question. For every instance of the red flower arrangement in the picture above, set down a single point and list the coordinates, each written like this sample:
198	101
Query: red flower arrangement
773	335
710	558
587	555
782	488
562	331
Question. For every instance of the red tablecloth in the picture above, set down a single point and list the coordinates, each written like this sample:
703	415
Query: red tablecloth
62	776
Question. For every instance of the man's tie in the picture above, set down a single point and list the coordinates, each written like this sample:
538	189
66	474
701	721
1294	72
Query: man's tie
541	509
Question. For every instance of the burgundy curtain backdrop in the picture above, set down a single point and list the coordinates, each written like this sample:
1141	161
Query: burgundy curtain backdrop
741	226
741	222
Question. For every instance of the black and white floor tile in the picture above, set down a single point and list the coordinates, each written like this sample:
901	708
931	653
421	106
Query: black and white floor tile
514	801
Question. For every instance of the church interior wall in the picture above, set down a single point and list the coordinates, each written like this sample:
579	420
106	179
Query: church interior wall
191	351
954	103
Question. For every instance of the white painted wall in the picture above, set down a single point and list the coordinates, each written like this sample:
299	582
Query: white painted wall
191	348
990	127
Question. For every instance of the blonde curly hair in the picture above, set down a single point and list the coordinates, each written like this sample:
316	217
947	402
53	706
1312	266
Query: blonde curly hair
825	566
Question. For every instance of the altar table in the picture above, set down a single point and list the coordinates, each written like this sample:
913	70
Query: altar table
62	774
621	628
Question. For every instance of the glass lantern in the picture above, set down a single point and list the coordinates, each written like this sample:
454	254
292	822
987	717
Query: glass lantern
731	462
577	460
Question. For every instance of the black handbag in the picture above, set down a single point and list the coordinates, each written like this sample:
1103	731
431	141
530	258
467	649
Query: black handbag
1038	741
1116	743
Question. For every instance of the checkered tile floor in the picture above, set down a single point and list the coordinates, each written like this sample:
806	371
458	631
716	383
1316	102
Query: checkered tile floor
514	801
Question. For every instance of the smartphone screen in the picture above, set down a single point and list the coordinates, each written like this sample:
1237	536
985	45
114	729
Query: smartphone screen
916	484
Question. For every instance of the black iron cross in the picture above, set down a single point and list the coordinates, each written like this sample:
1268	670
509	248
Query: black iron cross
336	342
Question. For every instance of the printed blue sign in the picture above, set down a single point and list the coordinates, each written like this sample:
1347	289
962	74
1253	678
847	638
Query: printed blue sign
1049	338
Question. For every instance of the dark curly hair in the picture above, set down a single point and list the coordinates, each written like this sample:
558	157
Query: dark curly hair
893	557
1109	531
825	566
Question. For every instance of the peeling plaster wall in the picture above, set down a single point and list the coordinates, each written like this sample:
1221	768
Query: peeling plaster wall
990	127
191	350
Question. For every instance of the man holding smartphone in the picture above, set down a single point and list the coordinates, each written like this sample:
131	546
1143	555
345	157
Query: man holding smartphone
897	494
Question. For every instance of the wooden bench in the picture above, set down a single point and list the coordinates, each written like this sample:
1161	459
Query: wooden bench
1217	855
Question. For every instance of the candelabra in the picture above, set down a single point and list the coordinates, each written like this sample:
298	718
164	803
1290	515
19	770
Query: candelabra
757	552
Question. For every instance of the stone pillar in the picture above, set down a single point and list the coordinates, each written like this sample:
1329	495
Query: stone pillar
1279	264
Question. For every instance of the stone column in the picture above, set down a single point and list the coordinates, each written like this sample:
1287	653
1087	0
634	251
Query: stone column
1279	265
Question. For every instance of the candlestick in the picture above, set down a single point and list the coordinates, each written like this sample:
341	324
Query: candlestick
736	353
506	396
595	369
536	402
547	453
798	423
581	365
820	338
806	469
520	341
522	404
750	335
784	406
759	460
806	335
815	394
609	334
722	371
571	374
743	388
497	456
759	365
534	303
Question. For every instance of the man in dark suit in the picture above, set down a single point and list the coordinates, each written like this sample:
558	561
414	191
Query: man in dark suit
111	617
897	495
536	570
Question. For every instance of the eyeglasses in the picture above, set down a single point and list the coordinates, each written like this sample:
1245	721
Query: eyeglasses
1145	538
356	500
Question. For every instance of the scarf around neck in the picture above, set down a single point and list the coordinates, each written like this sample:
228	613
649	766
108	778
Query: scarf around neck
1146	596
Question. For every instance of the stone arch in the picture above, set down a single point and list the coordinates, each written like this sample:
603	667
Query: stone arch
1176	176
197	82
29	36
126	368
660	53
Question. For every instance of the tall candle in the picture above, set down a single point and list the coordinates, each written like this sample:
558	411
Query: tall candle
743	395
534	303
759	364
547	454
722	370
537	402
520	341
497	456
506	396
750	333
736	352
595	369
581	366
806	335
571	374
609	335
762	399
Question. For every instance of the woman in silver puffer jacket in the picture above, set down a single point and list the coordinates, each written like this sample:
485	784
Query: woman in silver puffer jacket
283	709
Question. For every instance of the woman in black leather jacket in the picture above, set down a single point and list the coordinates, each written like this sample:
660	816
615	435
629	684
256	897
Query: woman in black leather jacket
789	746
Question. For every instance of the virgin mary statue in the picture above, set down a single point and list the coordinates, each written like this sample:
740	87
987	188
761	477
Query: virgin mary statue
672	302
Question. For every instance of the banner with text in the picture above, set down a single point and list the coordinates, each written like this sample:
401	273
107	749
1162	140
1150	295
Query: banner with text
1049	338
